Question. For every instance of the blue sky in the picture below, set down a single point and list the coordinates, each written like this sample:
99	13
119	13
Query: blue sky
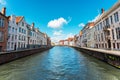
58	18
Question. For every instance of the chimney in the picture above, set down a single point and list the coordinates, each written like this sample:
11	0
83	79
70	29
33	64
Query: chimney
33	25
102	10
3	11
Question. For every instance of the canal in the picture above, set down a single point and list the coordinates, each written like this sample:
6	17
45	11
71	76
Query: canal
59	63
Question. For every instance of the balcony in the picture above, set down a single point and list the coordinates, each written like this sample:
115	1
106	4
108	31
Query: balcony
108	37
106	28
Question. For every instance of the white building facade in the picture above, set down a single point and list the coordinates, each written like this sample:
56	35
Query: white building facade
107	29
12	34
22	33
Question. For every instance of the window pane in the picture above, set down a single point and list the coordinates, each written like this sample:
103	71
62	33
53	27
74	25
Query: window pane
1	36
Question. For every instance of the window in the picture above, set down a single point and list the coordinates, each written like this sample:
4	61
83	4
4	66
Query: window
21	45
8	46
25	32
98	27
13	29
31	33
18	44
114	45
12	37
19	37
101	36
19	29
22	23
118	32
111	19
116	17
25	39
9	28
1	36
12	45
22	30
113	34
98	37
101	25
118	45
15	37
102	45
105	45
16	30
13	22
107	21
1	22
22	38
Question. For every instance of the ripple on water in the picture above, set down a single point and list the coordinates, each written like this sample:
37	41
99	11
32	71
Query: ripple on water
59	63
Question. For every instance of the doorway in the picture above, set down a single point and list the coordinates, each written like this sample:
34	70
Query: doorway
109	44
0	48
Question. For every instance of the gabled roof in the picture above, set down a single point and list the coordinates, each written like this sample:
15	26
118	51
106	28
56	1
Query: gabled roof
19	18
3	15
70	39
61	41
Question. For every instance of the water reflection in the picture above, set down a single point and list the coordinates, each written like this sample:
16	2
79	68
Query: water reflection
59	63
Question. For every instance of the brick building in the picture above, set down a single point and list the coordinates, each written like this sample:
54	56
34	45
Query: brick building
3	30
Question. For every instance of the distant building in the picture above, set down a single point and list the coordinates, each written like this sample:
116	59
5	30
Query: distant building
71	41
66	42
80	39
3	30
48	41
61	42
36	38
87	35
76	40
90	35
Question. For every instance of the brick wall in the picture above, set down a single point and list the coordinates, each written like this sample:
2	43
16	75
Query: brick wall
5	32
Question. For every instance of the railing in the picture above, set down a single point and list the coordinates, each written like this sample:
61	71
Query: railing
106	28
108	37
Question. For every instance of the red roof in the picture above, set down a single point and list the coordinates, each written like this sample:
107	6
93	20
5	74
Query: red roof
18	19
70	39
61	41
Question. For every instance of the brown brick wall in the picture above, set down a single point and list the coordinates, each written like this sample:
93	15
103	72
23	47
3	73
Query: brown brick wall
5	31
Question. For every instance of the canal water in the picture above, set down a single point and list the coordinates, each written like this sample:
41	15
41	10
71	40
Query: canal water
59	63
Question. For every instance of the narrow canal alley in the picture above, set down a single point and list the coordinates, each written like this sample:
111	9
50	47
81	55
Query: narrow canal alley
59	63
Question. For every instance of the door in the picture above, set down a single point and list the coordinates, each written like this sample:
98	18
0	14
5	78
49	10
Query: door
15	46
109	44
0	48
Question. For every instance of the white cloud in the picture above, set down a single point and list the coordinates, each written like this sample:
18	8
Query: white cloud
81	25
2	2
57	33
57	23
70	35
95	18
